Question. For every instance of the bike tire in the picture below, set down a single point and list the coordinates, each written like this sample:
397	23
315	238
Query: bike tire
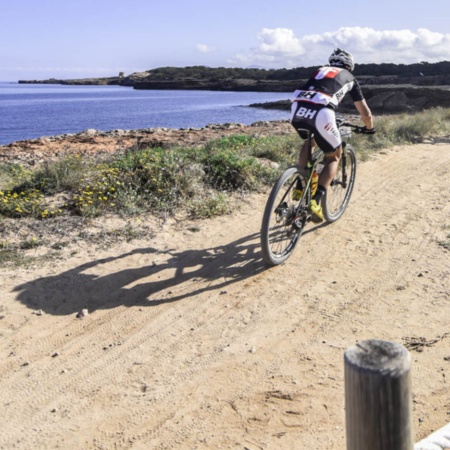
337	196
282	226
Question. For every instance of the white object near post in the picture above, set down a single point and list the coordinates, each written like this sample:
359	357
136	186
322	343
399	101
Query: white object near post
438	440
378	397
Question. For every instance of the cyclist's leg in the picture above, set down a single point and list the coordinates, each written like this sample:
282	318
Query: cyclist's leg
331	164
330	168
303	156
329	140
302	162
303	128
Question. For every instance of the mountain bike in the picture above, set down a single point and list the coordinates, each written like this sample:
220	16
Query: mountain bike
284	218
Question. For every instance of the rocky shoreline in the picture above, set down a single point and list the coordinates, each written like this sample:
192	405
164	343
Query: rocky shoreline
94	142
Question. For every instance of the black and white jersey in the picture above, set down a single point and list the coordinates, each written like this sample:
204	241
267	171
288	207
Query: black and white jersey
328	86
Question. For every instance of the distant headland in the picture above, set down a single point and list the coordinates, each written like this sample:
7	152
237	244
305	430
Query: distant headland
273	80
422	85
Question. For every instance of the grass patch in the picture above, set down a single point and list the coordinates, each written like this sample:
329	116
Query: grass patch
446	242
209	205
126	233
15	256
404	129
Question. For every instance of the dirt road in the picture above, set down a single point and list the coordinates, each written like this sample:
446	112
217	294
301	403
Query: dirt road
190	343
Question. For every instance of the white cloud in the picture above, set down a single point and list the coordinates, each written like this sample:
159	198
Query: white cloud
279	41
203	48
279	47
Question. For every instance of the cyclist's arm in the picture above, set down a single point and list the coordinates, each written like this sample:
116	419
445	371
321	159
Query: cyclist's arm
365	113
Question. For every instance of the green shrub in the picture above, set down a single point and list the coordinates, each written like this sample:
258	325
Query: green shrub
59	175
14	174
158	175
24	203
282	150
232	143
209	205
97	191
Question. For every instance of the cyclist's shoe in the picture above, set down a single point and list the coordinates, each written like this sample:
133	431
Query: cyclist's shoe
317	213
297	194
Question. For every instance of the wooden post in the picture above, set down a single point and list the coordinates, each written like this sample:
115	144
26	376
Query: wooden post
378	399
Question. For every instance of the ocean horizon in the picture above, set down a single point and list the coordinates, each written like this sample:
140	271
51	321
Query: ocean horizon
31	111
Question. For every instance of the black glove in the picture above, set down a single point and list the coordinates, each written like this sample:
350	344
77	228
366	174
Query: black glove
365	130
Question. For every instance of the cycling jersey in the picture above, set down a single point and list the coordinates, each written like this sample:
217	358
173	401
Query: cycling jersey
314	104
328	86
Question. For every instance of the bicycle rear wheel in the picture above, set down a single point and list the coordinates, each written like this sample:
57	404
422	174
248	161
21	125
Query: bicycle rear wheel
336	199
283	219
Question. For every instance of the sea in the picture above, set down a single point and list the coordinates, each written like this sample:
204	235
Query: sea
30	111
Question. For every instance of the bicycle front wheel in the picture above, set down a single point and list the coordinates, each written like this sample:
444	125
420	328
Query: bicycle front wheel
283	219
336	199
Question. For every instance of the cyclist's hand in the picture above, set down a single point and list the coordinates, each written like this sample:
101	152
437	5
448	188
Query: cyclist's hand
365	130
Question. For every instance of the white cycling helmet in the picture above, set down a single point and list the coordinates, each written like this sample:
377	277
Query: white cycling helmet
341	58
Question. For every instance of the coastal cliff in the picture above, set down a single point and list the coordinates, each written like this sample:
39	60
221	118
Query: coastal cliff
387	99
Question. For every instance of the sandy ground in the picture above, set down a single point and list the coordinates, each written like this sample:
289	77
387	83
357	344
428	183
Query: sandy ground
191	343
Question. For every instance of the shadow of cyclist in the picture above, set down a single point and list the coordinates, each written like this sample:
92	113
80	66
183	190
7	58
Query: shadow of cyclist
181	275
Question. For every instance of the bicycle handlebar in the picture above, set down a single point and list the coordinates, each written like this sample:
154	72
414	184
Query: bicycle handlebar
357	129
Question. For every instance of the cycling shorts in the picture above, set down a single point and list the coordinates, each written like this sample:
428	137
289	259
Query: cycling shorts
318	119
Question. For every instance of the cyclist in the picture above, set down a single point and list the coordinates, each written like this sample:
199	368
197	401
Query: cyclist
313	109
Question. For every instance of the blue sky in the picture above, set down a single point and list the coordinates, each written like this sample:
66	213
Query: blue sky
94	38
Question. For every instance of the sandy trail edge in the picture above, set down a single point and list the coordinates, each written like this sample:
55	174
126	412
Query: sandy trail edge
191	344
